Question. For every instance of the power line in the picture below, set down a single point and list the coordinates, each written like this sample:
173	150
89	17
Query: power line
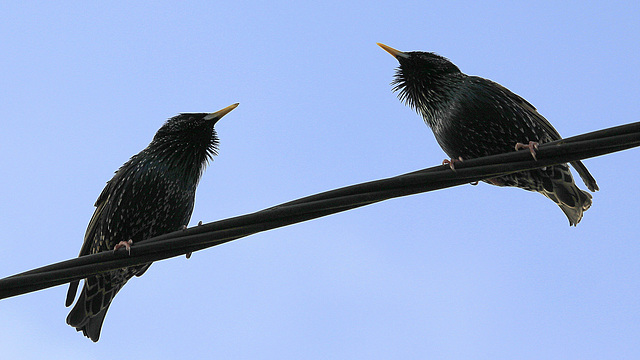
330	202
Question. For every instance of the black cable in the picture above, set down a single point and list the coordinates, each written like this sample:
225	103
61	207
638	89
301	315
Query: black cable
330	202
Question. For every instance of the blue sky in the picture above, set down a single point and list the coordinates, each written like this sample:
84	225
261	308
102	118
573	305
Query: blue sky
470	272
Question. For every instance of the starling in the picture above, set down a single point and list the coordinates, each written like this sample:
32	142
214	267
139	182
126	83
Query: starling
473	117
151	194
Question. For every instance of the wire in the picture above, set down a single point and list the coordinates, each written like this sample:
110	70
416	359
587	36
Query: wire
330	202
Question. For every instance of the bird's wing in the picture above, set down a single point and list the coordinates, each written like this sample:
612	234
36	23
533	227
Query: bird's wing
587	178
89	235
532	112
88	238
585	175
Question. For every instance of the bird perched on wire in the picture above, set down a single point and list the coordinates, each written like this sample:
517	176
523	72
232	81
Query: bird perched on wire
473	117
151	194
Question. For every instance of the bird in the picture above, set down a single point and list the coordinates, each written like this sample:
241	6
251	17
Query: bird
473	117
151	194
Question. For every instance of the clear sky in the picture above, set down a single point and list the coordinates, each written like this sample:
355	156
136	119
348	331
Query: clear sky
465	273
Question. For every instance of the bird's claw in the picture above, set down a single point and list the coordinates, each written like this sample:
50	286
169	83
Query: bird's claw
451	162
124	244
188	255
532	146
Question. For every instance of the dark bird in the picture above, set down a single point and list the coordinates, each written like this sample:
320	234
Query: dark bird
151	194
474	117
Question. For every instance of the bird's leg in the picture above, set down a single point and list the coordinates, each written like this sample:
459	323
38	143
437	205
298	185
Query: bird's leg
124	244
451	162
188	255
533	146
184	227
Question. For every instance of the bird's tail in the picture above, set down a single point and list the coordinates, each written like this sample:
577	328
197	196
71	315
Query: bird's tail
89	312
562	190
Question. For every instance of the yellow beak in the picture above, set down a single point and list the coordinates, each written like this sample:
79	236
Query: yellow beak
396	53
220	113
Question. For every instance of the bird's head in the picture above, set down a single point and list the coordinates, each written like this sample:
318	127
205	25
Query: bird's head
190	134
421	64
423	79
186	142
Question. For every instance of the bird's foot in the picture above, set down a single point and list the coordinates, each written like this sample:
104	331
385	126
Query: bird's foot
451	162
124	244
188	255
533	146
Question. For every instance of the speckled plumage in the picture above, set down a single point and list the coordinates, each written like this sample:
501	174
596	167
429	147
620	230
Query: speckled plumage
151	194
473	117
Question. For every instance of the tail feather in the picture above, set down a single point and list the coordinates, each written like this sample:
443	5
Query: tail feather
83	319
95	298
71	293
585	175
556	183
571	200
